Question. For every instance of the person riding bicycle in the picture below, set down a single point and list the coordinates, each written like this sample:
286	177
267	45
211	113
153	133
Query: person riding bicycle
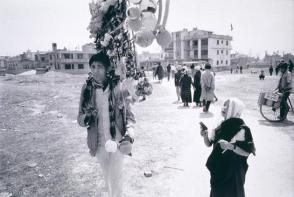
284	87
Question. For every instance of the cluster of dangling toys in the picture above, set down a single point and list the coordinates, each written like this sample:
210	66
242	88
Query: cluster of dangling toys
117	25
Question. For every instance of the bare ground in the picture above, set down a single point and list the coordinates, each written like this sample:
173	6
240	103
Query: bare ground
43	150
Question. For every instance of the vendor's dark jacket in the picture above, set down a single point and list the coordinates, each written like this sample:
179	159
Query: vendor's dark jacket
123	114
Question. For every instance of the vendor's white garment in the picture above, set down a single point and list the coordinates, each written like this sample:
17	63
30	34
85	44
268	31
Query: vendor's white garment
111	163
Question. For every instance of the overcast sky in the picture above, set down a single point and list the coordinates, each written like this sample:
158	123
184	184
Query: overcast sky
259	25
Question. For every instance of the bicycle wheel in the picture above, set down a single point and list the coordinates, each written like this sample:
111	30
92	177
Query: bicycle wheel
271	113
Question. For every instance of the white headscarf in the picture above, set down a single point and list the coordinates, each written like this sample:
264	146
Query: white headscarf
235	109
197	68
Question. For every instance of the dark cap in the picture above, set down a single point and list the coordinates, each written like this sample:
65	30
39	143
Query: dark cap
100	57
283	65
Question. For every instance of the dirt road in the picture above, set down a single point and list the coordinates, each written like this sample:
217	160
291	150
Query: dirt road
43	150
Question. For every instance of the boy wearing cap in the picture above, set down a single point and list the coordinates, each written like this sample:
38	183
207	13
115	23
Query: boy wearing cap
106	113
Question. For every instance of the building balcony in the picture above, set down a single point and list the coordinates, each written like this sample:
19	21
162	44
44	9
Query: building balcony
72	61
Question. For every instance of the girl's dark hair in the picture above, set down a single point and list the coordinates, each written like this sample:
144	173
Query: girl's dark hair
100	57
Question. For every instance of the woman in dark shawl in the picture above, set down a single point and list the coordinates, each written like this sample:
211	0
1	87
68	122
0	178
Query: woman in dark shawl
197	86
186	83
232	143
159	72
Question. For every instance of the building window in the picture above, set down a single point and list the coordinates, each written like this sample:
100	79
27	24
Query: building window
226	62
72	66
217	62
227	52
217	42
227	43
204	42
222	62
68	56
58	67
195	43
195	53
80	56
50	57
217	52
67	66
222	41
43	59
80	66
222	51
204	52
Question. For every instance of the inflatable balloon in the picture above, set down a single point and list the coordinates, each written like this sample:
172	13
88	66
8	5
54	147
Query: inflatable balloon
144	38
148	5
135	1
163	38
148	21
133	13
134	25
110	146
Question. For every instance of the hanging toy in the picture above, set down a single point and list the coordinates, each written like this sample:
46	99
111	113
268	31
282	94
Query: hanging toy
133	13
148	6
110	146
134	25
163	38
148	21
144	38
135	1
146	25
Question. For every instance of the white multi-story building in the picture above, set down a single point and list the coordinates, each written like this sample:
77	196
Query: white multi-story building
70	61
200	45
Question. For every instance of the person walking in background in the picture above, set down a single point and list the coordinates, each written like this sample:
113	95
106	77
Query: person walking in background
154	72
231	69
186	83
277	70
101	101
159	72
241	69
178	77
192	71
168	70
271	70
208	86
284	86
291	65
197	86
232	144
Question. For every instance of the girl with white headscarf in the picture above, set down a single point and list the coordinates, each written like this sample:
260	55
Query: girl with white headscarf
232	143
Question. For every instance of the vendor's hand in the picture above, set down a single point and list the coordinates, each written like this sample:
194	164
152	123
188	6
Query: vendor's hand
225	145
204	133
127	138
